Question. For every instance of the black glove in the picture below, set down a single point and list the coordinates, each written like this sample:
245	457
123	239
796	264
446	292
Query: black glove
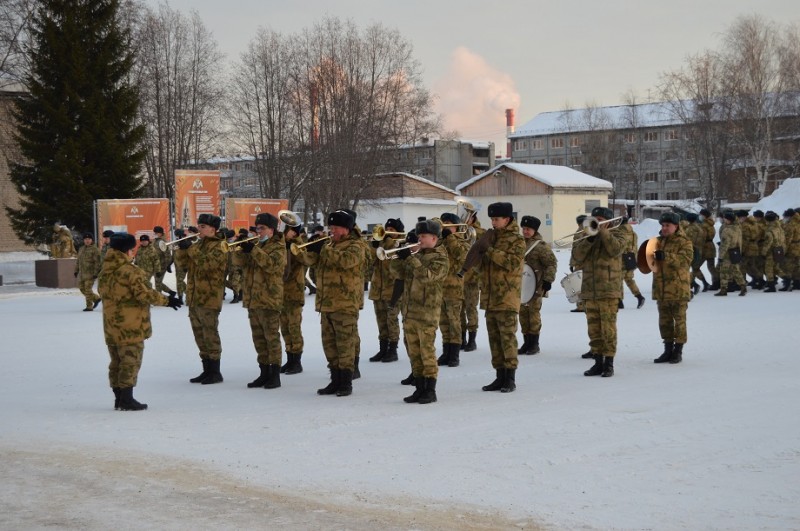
412	237
660	255
185	244
247	246
76	274
169	268
546	286
591	239
446	233
174	302
316	247
397	292
404	253
376	243
571	269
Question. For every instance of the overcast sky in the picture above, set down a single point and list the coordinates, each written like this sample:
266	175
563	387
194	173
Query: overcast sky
481	57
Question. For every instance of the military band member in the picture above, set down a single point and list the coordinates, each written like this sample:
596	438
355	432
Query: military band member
181	259
472	291
205	286
598	257
165	260
629	262
147	257
749	245
234	273
709	249
107	234
87	267
761	225
540	258
264	263
380	293
730	255
790	268
697	235
317	232
294	298
671	287
772	249
572	268
365	275
127	297
452	292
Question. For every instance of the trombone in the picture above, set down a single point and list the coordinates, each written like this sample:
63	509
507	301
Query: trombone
390	254
379	233
295	249
184	238
239	242
591	226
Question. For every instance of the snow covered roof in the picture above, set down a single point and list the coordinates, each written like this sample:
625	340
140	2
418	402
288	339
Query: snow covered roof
786	196
476	144
417	178
553	176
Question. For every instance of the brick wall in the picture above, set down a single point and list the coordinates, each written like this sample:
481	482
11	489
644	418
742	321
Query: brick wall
8	194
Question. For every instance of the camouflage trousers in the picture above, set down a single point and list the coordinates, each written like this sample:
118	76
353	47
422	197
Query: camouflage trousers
292	327
160	286
501	326
601	320
388	324
789	267
729	272
770	267
126	360
265	328
631	283
712	268
180	280
751	266
469	310
530	316
339	337
205	327
420	342
450	321
88	293
672	320
234	280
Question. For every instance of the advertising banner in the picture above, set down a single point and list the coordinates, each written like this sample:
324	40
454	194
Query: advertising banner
135	216
196	192
242	212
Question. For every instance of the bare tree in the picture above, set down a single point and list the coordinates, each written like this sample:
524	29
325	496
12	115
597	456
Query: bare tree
15	18
632	125
789	56
598	147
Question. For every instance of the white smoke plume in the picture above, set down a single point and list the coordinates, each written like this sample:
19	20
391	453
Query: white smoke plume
473	97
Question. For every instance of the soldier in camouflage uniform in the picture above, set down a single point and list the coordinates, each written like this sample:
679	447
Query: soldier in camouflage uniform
791	264
599	258
423	275
207	260
472	293
573	267
631	249
539	256
127	297
456	248
709	249
772	249
697	235
761	225
365	276
317	232
751	233
502	250
730	254
380	293
234	273
264	264
340	294
107	234
181	259
147	257
63	246
671	290
164	259
86	270
294	298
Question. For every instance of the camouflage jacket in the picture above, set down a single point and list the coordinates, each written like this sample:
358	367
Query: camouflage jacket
181	258
751	233
631	240
730	237
696	234
89	262
205	281
103	251
456	248
424	273
63	246
263	274
709	249
340	280
792	233
502	270
672	279
473	276
294	276
383	274
164	253
599	258
542	260
147	259
773	237
127	297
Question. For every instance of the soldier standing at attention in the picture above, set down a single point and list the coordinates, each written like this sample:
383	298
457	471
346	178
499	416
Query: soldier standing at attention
235	270
126	318
452	292
539	256
294	298
709	249
572	268
164	260
472	291
730	255
179	256
147	257
86	270
263	297
107	234
380	293
317	232
598	257
423	274
207	260
629	262
671	289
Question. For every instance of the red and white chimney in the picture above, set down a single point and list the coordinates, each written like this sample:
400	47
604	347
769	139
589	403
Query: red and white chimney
509	130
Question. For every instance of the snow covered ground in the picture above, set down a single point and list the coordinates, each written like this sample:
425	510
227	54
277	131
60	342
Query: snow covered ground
712	443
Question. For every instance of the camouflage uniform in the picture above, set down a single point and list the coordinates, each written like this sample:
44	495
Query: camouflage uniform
86	270
181	259
761	224
294	298
791	264
63	246
147	260
472	292
573	265
453	290
671	286
730	237
709	249
263	296
631	246
697	235
127	296
164	260
207	260
773	237
543	262
751	233
380	293
234	272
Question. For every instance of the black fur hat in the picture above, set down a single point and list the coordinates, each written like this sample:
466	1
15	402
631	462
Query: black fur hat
580	219
789	212
741	213
265	218
532	222
691	217
230	234
429	226
500	210
108	233
144	238
729	215
670	217
179	233
209	219
352	213
158	229
705	212
602	212
449	217
395	224
770	216
758	214
88	235
341	218
122	242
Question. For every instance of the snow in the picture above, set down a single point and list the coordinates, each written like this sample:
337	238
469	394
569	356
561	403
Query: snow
711	443
786	196
553	176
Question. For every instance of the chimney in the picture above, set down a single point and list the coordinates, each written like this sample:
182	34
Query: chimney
509	130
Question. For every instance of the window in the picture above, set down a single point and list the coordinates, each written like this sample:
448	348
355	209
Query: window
653	196
556	142
671	176
673	196
651	136
671	134
651	156
575	141
537	144
557	161
671	155
520	145
629	138
591	204
651	177
577	161
630	158
538	161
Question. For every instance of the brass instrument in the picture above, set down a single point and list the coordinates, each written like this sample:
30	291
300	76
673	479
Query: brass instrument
466	208
379	233
184	238
390	254
590	228
239	242
295	249
289	218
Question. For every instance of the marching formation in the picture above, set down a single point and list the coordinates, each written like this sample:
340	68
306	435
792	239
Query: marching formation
432	277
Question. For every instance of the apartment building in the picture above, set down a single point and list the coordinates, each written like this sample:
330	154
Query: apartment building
445	162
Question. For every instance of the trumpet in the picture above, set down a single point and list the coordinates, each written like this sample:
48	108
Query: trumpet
379	233
295	249
239	242
390	254
184	238
591	226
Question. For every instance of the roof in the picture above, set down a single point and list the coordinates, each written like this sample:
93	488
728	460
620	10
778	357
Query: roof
553	176
417	178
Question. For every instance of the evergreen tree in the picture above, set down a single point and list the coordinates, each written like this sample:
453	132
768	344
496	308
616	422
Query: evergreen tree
76	126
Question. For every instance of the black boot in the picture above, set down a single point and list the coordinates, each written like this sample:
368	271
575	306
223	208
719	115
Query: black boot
621	305
497	383
525	344
639	298
419	383
743	291
409	380
455	350
533	347
202	376
296	367
588	355
384	345
597	368
289	361
787	285
235	298
471	342
665	357
391	353
127	402
721	293
262	378
770	287
677	353
213	376
273	376
608	367
356	374
333	386
706	285
509	381
429	390
714	285
463	339
345	383
695	287
116	397
444	359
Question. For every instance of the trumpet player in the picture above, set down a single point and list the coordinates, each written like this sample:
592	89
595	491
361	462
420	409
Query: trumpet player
540	257
452	292
380	293
294	298
472	292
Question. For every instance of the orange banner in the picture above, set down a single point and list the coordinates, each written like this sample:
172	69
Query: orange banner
196	192
135	216
242	212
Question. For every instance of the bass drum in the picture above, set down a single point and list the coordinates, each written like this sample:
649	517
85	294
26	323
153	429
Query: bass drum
529	283
572	286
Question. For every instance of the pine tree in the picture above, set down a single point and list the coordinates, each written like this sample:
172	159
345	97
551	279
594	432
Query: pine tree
76	126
